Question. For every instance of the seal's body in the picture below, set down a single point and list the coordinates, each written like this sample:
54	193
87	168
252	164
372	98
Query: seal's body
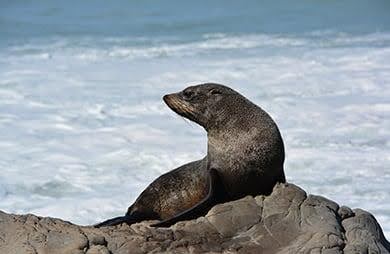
246	149
245	157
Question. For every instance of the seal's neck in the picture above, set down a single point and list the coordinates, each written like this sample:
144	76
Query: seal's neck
244	129
231	144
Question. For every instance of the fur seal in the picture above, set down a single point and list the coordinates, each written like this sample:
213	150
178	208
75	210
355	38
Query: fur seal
245	156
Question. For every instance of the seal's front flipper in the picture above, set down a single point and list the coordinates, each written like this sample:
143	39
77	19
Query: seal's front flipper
213	197
128	218
113	221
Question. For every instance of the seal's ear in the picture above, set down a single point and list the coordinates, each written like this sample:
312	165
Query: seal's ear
214	91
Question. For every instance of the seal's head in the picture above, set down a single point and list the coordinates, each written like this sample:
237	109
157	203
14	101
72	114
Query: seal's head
206	104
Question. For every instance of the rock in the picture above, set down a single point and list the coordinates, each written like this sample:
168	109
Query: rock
287	221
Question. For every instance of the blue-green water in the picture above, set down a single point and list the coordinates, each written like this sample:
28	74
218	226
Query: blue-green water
81	116
187	20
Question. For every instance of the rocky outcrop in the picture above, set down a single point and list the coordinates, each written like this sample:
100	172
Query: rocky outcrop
287	221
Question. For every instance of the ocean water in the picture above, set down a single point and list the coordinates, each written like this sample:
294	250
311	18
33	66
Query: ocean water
83	128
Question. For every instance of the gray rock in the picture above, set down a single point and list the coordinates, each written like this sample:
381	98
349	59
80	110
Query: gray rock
287	221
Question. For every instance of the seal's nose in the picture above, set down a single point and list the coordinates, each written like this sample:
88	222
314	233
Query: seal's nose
166	98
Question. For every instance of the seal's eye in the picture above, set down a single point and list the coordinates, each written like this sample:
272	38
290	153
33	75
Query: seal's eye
188	94
215	91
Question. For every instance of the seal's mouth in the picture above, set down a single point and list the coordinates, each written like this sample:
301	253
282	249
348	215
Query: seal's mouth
179	106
